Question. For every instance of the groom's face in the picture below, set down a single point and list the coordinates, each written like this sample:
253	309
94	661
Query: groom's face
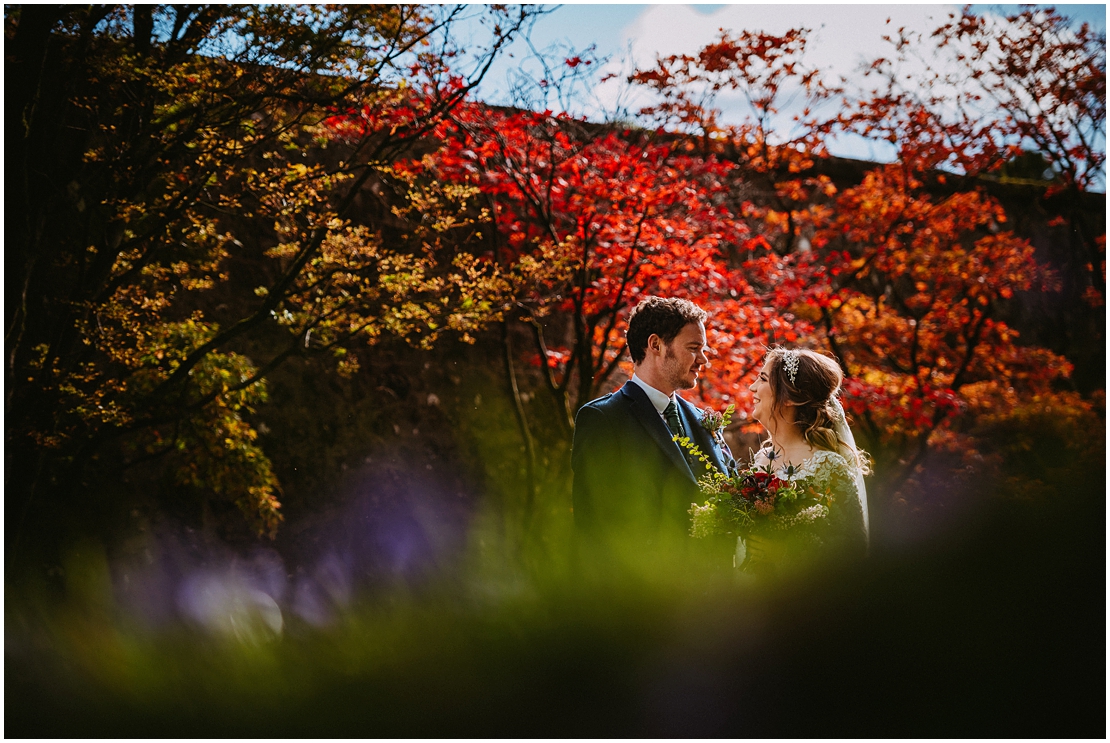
684	357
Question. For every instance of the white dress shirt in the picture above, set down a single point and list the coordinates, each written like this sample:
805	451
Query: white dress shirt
658	399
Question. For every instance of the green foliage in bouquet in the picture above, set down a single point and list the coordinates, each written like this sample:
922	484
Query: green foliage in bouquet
754	500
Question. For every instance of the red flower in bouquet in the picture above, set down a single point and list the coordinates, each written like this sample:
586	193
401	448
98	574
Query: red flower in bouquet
754	499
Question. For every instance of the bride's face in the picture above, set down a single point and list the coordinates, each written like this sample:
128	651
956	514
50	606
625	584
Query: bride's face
763	401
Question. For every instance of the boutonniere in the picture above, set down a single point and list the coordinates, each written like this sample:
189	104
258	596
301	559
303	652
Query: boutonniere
715	422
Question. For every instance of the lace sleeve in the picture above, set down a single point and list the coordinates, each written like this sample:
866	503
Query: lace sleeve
835	476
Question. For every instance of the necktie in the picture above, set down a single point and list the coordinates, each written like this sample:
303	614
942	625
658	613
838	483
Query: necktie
673	422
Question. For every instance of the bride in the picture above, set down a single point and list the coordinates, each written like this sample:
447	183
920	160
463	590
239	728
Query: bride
795	398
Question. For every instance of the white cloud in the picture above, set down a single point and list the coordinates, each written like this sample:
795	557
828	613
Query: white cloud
843	37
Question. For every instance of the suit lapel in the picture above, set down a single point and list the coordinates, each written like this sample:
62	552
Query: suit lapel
691	419
644	412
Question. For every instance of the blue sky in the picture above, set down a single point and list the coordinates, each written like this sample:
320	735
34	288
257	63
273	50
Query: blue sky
634	34
605	24
611	26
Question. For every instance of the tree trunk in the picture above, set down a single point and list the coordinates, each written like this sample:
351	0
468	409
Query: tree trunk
522	422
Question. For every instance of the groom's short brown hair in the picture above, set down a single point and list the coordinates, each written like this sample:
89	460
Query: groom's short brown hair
661	316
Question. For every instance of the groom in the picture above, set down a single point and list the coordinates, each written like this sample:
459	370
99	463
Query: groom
630	477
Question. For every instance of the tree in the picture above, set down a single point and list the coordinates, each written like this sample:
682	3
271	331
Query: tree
583	221
779	135
773	147
904	277
623	212
177	206
906	291
997	91
990	89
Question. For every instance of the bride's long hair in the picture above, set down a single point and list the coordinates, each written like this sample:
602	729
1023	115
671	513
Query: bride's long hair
817	379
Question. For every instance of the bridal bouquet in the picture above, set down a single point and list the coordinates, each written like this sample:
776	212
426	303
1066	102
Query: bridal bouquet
755	500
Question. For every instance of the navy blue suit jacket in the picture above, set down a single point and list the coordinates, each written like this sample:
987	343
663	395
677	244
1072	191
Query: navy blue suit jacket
628	473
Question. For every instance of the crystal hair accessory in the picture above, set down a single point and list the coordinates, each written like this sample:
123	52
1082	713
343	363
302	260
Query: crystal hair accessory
790	364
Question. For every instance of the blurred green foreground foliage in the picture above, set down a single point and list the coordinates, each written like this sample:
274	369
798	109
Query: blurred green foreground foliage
996	631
